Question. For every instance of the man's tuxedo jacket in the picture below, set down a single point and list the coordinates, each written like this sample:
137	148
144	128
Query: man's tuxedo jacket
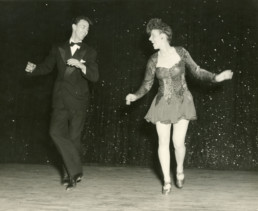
71	90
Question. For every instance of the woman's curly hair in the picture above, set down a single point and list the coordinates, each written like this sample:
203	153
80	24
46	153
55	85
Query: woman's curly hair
156	23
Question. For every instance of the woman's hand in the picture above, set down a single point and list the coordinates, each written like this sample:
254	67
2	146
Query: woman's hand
225	75
130	98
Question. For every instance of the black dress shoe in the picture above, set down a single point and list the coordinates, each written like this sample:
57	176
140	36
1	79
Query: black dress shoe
65	180
65	176
72	182
71	185
78	177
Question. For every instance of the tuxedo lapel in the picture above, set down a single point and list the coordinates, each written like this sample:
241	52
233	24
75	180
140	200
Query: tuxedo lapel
65	52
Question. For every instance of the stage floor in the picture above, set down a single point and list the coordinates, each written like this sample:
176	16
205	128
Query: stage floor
26	187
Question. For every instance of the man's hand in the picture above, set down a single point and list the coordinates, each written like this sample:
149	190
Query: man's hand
30	67
78	64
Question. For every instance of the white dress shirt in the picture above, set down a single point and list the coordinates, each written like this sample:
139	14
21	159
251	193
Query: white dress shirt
74	47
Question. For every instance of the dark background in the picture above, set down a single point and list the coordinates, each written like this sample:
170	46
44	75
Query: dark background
219	34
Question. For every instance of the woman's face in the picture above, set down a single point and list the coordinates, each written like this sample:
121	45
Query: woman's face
156	38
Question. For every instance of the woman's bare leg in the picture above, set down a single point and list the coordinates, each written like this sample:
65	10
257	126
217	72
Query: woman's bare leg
179	133
163	131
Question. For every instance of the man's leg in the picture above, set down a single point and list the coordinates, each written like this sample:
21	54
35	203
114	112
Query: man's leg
76	125
59	131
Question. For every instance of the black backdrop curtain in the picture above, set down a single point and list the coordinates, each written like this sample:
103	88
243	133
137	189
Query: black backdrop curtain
218	34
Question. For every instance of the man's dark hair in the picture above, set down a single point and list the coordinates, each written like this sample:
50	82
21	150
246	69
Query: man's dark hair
82	17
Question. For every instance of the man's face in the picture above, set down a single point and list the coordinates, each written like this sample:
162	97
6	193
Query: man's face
80	30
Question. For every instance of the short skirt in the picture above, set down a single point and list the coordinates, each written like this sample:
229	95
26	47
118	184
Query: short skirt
172	112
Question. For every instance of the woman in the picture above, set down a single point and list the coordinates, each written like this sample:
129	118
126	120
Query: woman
173	103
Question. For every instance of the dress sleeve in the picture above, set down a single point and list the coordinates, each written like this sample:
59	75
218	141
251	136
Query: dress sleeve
197	72
148	79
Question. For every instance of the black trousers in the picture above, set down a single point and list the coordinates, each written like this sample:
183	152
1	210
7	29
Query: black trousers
65	129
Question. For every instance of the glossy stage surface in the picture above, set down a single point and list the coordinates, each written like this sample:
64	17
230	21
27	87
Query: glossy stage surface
26	187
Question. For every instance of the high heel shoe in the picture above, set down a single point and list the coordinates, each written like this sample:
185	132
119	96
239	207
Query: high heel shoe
180	180
166	189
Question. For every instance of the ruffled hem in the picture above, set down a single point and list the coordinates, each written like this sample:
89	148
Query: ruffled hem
173	112
169	121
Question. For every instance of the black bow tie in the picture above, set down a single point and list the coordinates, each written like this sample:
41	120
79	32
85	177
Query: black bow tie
75	43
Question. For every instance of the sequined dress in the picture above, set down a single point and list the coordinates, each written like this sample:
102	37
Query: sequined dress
173	100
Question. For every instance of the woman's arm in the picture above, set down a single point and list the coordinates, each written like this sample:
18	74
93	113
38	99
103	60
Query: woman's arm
197	72
147	82
148	79
204	74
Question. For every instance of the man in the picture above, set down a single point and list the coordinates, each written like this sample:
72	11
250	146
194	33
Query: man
76	65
